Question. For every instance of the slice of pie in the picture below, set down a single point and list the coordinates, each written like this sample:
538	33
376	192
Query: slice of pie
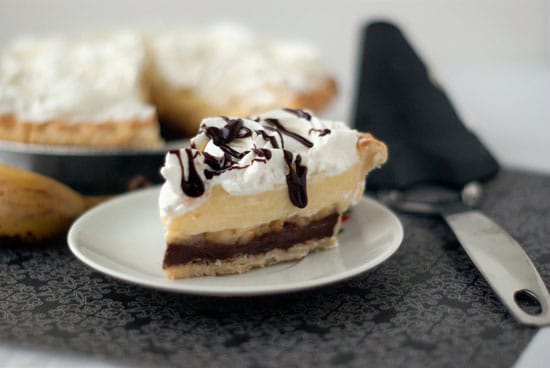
252	192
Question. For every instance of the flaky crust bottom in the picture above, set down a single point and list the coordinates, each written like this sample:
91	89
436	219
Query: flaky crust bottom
132	134
247	262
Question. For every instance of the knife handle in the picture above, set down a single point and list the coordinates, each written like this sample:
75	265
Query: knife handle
503	263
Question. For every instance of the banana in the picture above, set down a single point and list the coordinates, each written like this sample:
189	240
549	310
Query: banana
34	207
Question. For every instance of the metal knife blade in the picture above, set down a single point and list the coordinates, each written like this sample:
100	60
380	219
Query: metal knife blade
501	261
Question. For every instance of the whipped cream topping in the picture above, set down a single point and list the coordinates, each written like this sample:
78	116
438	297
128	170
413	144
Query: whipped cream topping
92	78
247	156
225	62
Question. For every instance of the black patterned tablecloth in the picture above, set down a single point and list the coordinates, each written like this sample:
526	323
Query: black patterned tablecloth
427	306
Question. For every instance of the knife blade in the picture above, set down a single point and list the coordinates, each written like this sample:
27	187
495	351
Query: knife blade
501	261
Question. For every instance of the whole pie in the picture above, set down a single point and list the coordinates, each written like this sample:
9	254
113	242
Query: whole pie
112	88
250	192
227	70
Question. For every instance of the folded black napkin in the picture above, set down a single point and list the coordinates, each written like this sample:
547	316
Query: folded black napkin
399	103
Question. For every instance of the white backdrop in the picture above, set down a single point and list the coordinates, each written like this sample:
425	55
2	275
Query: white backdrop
493	57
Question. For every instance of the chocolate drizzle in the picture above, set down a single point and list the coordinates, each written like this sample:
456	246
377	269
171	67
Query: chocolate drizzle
217	135
280	128
272	140
225	163
322	132
299	113
296	180
262	152
232	130
296	177
218	164
193	186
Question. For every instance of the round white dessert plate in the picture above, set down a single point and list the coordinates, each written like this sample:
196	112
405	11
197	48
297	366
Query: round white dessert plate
124	238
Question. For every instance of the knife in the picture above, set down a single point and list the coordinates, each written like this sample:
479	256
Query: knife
500	259
502	262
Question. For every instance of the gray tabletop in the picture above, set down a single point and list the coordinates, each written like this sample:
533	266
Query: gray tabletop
425	306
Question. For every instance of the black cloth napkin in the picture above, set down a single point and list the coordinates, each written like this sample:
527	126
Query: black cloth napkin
399	103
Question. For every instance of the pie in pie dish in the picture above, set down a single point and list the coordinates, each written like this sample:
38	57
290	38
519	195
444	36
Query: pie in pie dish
250	192
111	88
226	70
86	91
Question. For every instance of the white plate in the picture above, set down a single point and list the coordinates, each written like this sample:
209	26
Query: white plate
124	238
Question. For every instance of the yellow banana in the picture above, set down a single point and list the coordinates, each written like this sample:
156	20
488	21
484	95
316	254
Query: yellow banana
34	207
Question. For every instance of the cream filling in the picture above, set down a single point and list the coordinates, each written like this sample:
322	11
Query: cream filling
223	211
